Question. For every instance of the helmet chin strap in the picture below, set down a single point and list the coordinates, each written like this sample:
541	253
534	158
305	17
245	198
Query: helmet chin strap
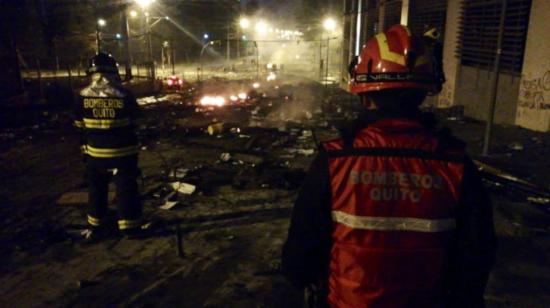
367	102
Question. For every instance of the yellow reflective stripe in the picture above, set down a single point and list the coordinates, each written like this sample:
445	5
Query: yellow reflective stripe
388	55
78	123
83	149
108	153
393	223
95	221
129	224
106	123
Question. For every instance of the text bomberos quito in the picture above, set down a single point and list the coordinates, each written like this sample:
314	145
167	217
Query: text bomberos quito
395	186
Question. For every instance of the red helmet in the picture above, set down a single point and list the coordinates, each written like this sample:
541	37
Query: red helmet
392	60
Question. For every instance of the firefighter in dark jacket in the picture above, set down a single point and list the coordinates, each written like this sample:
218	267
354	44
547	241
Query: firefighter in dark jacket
105	112
393	213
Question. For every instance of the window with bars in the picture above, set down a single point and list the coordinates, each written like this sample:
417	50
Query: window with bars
427	13
479	27
392	13
371	16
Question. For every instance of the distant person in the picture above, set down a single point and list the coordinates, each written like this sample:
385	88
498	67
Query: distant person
432	38
393	213
106	112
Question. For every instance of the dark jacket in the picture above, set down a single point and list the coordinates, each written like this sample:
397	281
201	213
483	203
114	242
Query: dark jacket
306	252
106	113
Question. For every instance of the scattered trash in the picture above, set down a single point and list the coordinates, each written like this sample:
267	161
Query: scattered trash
184	188
305	152
179	173
215	129
516	146
248	158
225	157
168	205
539	200
307	133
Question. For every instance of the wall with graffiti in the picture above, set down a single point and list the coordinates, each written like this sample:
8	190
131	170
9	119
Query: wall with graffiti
534	94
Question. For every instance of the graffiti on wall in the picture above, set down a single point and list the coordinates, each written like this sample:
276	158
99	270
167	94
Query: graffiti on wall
535	93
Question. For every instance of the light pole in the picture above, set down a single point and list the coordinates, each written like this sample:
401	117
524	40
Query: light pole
99	24
329	24
145	4
125	27
202	51
257	60
244	24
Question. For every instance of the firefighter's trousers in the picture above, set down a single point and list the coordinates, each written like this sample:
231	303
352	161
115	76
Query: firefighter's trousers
124	171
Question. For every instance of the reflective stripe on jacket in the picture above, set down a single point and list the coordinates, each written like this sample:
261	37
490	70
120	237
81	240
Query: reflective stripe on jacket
394	196
105	112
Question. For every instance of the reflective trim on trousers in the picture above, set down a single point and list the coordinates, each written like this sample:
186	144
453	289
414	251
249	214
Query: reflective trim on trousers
105	123
110	153
393	223
125	224
78	124
93	221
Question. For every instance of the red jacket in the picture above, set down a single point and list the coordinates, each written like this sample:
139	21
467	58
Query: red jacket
395	192
393	202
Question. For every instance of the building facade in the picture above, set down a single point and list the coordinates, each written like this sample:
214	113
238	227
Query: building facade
469	32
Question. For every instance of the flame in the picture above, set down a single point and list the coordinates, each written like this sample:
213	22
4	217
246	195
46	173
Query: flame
212	101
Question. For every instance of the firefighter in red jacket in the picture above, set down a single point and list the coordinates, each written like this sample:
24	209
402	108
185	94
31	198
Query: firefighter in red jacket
105	112
393	213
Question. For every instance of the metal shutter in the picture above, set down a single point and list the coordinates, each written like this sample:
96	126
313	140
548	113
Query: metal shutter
479	26
392	13
431	13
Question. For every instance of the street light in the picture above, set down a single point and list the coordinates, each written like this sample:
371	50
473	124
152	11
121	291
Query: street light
329	24
261	27
101	22
144	3
244	23
133	14
205	36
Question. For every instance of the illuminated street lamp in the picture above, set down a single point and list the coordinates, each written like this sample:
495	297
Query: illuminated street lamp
329	24
101	22
205	36
133	14
244	23
144	3
261	27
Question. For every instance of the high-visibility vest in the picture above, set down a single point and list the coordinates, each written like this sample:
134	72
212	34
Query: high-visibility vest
394	194
104	113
